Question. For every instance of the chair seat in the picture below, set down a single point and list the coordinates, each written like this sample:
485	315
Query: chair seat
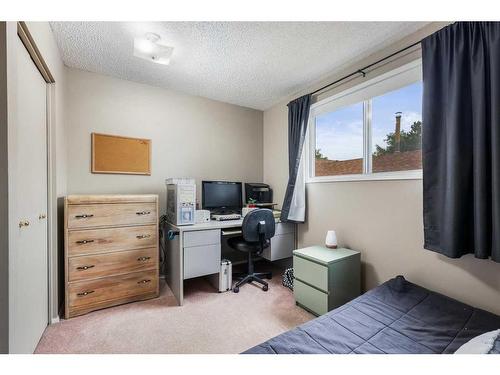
238	243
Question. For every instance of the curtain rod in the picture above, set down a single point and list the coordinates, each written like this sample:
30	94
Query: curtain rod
362	70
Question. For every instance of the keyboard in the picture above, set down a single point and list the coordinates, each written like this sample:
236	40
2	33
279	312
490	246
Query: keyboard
226	217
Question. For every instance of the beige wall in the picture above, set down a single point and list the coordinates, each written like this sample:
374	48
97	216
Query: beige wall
191	136
382	219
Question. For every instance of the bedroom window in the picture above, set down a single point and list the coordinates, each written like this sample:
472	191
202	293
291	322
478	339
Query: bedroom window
369	132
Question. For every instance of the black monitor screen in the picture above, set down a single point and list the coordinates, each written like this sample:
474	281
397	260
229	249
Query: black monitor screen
220	195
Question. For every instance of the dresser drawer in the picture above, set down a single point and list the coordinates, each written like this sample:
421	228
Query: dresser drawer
310	272
96	266
111	288
94	241
100	215
202	237
310	298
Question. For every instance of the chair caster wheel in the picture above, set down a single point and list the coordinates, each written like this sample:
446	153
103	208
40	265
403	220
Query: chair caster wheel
265	288
236	290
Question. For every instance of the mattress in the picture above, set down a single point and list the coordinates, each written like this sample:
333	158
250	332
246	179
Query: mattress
396	317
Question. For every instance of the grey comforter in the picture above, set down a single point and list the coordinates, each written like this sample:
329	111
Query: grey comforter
396	317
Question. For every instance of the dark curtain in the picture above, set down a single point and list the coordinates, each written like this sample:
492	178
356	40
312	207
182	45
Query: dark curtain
461	140
298	115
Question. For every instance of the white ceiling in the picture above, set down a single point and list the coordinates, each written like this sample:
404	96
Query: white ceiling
252	64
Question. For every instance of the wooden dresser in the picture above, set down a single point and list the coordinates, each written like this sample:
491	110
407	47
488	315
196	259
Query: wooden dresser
111	251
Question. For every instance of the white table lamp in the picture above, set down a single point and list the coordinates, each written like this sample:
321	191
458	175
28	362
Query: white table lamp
331	239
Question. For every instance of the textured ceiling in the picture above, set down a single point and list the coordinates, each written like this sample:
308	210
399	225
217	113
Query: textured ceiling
252	64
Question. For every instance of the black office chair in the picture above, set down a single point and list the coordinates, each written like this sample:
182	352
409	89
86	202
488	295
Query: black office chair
258	228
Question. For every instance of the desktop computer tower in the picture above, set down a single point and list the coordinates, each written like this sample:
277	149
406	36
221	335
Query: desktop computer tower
181	201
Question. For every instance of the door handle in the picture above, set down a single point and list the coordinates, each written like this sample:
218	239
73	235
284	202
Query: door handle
142	236
42	216
144	281
83	216
143	213
143	259
24	223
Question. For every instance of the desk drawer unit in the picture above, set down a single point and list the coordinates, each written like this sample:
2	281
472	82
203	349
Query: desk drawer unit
284	228
282	244
111	251
325	278
202	237
202	253
201	261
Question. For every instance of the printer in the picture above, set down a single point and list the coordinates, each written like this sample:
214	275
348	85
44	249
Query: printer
260	194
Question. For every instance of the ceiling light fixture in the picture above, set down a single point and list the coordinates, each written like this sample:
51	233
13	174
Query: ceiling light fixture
150	48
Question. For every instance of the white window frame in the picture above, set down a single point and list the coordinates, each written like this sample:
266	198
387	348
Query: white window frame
364	92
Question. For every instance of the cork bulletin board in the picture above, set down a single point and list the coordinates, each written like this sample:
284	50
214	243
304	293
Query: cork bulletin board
120	155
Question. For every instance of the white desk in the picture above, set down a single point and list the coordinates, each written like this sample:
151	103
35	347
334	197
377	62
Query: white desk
196	250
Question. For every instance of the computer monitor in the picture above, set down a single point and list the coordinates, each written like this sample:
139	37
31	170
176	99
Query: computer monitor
221	196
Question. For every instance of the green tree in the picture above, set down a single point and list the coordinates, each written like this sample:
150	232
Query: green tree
409	141
319	155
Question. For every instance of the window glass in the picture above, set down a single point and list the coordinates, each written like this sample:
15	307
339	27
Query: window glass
396	129
339	142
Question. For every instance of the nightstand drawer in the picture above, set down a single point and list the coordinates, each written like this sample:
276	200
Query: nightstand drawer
310	298
310	272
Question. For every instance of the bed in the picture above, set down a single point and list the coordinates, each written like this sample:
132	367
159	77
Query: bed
396	317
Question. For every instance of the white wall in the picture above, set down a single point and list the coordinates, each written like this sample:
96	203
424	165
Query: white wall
382	219
191	136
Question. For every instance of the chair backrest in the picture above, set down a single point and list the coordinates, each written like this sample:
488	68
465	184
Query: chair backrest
257	223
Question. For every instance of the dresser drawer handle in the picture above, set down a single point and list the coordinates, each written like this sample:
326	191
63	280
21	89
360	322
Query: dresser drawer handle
84	242
84	216
144	281
142	236
143	213
143	259
83	294
84	268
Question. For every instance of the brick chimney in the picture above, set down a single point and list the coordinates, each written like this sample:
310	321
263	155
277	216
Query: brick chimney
397	133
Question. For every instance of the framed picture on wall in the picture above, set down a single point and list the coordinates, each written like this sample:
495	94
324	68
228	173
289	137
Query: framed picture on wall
115	154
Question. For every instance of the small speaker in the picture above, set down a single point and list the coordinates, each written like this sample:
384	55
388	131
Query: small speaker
201	216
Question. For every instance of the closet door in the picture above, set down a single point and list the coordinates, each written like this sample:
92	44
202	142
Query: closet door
28	265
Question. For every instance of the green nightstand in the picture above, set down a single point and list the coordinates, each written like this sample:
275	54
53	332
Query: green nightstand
325	278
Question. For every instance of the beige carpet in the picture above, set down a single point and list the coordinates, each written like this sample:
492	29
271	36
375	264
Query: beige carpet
208	322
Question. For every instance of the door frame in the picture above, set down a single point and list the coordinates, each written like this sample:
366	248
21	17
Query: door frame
52	236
